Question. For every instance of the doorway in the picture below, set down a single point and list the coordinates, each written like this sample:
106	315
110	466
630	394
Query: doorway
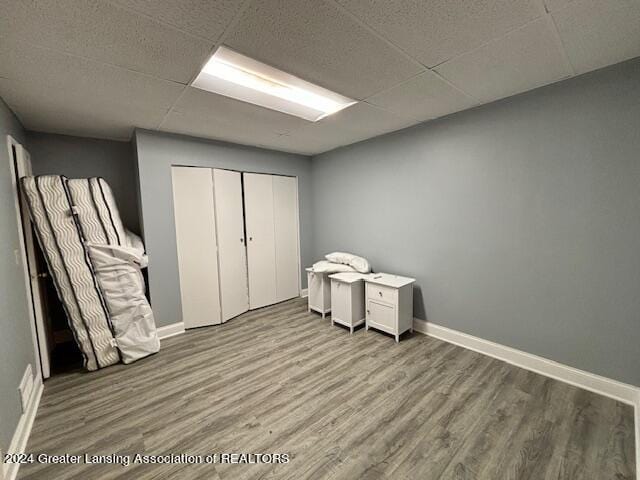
34	269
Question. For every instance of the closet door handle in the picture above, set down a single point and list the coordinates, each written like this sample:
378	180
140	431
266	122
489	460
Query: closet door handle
242	240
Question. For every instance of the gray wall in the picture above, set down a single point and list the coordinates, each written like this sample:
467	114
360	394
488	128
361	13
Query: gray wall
519	219
78	157
156	152
16	345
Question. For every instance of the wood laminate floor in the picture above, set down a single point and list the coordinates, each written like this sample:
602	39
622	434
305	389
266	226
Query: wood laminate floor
281	380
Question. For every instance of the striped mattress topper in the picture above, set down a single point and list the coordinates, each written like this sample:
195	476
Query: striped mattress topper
69	263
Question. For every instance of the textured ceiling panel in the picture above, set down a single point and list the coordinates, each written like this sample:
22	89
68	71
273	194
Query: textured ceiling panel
234	113
555	5
102	67
58	112
434	31
106	33
205	18
525	59
367	120
316	41
597	33
424	97
212	116
356	123
82	82
219	128
318	138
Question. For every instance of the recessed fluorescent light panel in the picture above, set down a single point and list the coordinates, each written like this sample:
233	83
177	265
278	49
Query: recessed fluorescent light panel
233	75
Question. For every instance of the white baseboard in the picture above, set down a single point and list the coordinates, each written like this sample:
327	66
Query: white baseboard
170	330
304	292
21	435
595	383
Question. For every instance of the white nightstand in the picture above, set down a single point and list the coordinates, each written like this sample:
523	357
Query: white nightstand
347	299
319	290
389	303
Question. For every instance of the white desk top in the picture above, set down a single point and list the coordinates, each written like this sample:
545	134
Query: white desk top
388	280
348	277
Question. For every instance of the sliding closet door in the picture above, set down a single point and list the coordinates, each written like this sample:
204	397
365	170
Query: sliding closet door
285	214
234	293
261	257
196	242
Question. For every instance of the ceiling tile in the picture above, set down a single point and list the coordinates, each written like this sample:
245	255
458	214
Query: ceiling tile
423	97
316	41
318	138
205	18
555	5
83	83
55	112
433	31
216	128
208	115
238	115
104	32
367	120
597	33
522	60
354	124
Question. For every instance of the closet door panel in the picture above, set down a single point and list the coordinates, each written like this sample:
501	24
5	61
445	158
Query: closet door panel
234	293
196	242
285	208
258	201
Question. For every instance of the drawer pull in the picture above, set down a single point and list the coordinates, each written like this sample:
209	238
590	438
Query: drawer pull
380	293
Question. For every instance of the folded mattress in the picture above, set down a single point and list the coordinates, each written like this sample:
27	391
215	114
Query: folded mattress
96	210
117	256
71	268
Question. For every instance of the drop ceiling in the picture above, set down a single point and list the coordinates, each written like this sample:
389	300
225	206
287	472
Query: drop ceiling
102	68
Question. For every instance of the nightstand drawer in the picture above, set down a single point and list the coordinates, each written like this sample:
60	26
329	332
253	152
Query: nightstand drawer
381	293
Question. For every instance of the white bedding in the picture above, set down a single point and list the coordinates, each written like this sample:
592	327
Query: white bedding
359	264
118	269
118	257
324	266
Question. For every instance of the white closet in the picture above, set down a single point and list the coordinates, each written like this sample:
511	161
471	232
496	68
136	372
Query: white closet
232	255
271	213
261	245
237	240
197	246
285	222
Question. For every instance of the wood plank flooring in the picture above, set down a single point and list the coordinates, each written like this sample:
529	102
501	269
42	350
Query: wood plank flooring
281	380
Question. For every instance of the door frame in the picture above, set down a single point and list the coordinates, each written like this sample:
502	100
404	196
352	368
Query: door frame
24	259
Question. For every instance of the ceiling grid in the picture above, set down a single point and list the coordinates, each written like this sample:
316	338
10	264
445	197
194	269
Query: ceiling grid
102	68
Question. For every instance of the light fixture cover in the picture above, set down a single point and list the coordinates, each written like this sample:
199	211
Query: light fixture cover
234	75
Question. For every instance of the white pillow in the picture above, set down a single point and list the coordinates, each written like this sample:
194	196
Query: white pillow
358	263
339	257
329	267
